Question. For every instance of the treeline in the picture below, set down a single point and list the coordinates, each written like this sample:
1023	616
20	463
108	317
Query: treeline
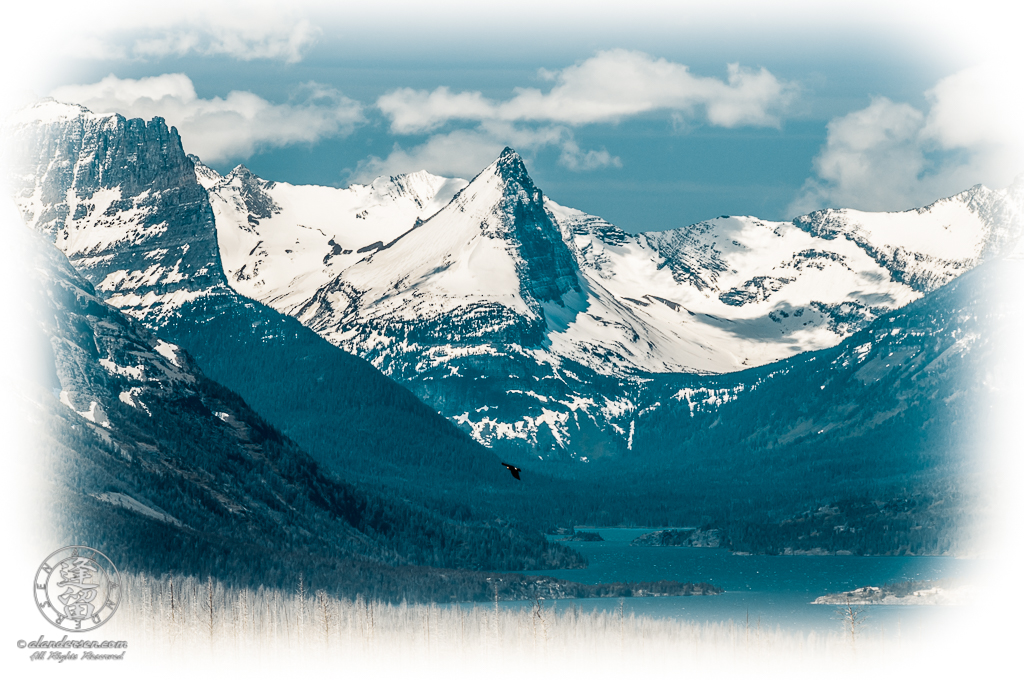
283	501
919	525
820	428
369	430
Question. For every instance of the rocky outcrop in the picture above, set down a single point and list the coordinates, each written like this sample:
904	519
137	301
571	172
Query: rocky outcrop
548	269
254	194
120	198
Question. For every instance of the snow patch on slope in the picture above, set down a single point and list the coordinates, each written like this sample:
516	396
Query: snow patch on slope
128	503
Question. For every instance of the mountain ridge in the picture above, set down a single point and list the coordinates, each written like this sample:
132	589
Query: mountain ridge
622	328
537	368
541	345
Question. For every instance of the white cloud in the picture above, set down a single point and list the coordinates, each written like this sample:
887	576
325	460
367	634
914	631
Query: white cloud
872	160
245	30
891	156
462	153
608	87
220	129
242	39
574	158
412	111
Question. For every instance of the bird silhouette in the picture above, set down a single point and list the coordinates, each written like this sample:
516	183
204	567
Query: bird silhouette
514	470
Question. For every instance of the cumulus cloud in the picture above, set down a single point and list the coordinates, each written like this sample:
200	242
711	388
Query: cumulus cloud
892	156
254	29
463	152
412	111
873	159
575	158
220	129
608	87
240	39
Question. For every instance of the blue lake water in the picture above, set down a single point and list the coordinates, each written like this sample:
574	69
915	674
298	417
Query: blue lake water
770	590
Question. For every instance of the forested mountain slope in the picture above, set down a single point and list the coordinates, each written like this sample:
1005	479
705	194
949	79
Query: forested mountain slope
165	469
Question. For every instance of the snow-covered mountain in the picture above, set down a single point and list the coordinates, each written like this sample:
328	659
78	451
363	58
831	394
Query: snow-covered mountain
718	296
736	292
526	322
514	315
893	428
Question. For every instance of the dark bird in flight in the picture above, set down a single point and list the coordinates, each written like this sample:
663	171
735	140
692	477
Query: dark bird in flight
514	470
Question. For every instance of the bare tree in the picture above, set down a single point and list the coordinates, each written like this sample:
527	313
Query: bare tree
209	605
302	606
323	606
853	620
538	615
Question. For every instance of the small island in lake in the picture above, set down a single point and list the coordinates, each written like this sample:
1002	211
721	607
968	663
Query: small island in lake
905	592
684	538
588	536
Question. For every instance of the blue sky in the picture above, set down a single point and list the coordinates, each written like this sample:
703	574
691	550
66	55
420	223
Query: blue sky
653	116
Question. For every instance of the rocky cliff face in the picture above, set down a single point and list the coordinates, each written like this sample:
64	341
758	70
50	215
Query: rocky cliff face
548	270
120	198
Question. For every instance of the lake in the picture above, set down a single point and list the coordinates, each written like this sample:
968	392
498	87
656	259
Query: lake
772	590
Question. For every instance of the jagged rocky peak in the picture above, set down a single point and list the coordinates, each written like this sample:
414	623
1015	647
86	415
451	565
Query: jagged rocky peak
247	178
548	270
253	191
245	174
511	168
205	175
64	146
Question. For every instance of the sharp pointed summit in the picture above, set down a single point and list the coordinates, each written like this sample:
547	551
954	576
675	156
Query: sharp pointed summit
513	209
510	167
245	174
